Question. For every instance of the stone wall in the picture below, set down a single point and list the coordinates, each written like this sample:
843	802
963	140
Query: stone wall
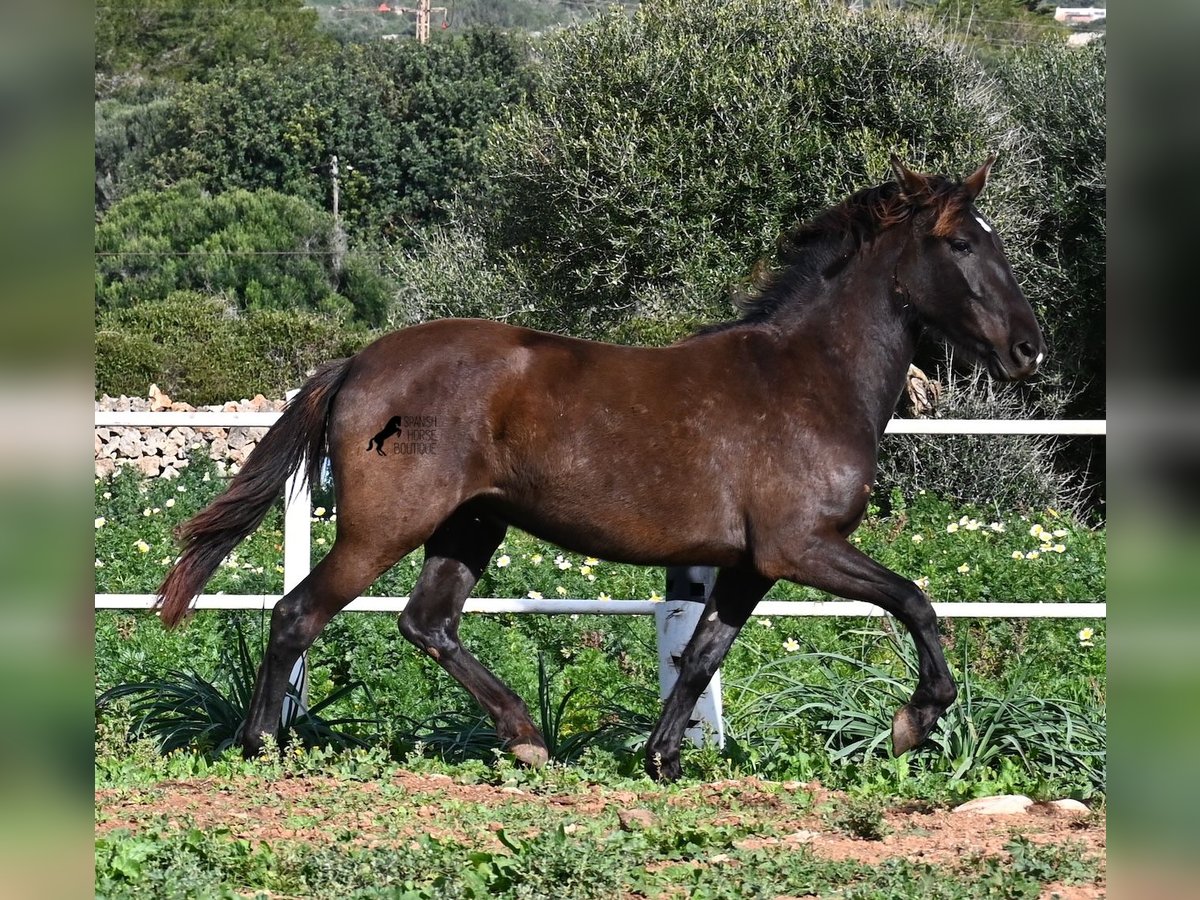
162	452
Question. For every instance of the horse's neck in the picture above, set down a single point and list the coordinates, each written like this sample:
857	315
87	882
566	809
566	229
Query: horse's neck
868	338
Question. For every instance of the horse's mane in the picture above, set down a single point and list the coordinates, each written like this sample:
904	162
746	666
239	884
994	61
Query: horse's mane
821	247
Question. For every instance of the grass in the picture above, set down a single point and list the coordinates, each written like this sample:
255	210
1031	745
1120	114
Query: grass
358	825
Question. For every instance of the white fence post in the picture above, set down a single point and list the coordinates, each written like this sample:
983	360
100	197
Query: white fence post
297	562
688	589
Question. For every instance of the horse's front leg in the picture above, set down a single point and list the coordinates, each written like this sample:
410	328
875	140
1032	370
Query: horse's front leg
837	566
735	594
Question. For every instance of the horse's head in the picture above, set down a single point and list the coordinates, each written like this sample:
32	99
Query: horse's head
956	276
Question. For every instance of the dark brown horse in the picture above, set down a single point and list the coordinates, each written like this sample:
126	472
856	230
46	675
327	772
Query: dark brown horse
750	446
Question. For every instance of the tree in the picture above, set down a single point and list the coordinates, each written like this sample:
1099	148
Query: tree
407	123
187	40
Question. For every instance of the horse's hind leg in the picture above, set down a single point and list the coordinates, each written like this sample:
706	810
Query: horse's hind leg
347	570
455	557
734	597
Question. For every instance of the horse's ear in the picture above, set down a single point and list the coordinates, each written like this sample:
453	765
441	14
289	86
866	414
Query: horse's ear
977	180
912	183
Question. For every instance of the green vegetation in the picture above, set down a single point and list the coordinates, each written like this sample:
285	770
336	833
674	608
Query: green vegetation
804	698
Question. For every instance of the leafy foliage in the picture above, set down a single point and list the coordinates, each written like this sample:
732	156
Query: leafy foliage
406	122
260	249
185	40
183	710
661	153
199	350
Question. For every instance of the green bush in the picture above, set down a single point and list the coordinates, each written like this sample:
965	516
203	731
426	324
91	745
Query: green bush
201	350
407	123
662	153
260	249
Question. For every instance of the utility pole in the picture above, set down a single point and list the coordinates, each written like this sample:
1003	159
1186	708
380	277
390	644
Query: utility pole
423	11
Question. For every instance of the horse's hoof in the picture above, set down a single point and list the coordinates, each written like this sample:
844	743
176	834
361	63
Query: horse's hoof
664	770
530	752
908	731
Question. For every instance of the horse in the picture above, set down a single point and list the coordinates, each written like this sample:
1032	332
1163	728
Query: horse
749	446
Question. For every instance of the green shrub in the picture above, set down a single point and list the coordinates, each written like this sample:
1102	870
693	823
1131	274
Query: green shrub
200	350
260	249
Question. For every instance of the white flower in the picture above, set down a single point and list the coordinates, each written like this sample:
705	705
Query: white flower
591	561
503	562
562	563
655	596
99	564
1059	532
534	595
765	623
951	528
107	495
585	570
1035	530
922	582
170	502
791	645
146	511
963	569
1017	554
1085	637
560	590
963	520
142	546
604	596
997	527
1032	554
101	521
1059	548
972	525
536	559
591	577
319	511
181	489
917	538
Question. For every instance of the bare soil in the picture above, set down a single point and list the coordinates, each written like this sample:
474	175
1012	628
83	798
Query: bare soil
320	808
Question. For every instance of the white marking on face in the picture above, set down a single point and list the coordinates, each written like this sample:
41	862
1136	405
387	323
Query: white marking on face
984	225
1040	357
712	616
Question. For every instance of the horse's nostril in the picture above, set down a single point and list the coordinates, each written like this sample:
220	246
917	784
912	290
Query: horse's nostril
1023	353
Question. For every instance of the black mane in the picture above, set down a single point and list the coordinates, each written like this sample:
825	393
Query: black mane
821	247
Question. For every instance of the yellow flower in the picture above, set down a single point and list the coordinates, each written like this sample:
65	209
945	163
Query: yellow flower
963	569
536	558
655	596
534	595
973	525
604	596
1085	637
1032	554
951	528
963	520
585	570
1046	548
142	546
591	561
1035	530
922	582
560	590
503	561
790	645
1017	554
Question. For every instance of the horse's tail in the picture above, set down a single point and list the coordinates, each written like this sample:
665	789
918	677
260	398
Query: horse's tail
297	438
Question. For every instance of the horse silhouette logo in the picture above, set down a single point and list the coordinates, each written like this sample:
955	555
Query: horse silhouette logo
390	429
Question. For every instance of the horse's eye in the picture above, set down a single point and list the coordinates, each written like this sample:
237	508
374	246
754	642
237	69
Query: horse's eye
960	246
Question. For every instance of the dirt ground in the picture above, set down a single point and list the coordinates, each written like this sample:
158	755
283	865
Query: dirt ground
314	808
